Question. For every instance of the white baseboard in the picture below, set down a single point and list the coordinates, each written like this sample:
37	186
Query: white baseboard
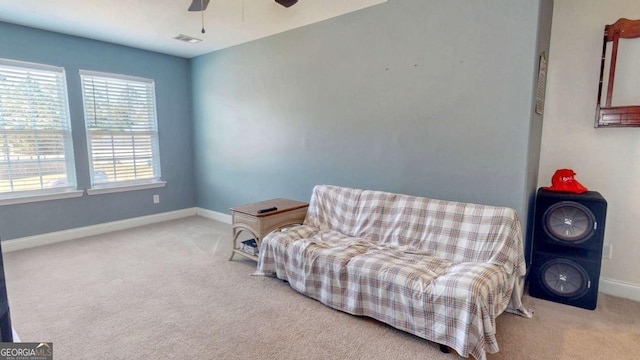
606	286
619	288
64	235
214	215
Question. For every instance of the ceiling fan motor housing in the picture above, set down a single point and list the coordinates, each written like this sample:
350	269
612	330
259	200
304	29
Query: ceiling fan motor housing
286	3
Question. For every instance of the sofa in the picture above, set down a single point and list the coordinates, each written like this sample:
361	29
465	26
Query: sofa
441	270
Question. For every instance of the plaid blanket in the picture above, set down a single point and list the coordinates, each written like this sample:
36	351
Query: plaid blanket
441	270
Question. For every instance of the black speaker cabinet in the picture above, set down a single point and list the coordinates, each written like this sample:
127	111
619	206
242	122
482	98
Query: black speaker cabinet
567	247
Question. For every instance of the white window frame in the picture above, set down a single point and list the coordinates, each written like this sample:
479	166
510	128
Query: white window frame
56	108
98	122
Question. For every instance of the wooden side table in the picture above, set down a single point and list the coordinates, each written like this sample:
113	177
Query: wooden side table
247	218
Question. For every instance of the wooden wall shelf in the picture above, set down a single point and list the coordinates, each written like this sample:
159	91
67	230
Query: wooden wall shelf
608	115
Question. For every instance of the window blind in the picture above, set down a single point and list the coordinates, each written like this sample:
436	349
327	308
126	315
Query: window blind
35	129
122	130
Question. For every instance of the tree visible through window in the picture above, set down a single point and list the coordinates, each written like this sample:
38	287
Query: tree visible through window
35	133
122	131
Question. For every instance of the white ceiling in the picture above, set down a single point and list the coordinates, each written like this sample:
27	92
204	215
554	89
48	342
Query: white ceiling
153	24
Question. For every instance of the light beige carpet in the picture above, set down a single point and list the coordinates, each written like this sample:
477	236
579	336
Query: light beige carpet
167	291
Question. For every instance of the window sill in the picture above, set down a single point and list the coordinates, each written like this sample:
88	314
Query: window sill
106	189
23	199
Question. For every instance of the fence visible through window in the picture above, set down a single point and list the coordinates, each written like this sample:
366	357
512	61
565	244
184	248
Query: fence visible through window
122	131
36	149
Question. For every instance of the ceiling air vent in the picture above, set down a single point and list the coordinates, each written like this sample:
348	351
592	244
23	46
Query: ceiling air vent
188	39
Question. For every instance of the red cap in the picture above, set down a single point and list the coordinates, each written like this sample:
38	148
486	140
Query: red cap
563	180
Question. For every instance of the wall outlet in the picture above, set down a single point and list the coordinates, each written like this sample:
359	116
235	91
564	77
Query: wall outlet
606	251
156	199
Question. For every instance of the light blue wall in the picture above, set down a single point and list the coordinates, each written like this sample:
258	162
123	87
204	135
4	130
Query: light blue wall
173	92
430	98
420	97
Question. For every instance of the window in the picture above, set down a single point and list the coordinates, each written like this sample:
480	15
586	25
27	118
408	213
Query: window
122	130
35	131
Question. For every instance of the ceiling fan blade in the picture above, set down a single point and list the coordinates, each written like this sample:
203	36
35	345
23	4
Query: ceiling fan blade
286	3
199	5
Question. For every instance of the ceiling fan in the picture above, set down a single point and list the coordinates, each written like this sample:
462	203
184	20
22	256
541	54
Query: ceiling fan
286	3
201	5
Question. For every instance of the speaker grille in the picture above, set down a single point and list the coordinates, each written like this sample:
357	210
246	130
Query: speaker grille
569	222
564	278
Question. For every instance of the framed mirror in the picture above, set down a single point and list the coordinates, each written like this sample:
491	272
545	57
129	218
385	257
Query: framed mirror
619	54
